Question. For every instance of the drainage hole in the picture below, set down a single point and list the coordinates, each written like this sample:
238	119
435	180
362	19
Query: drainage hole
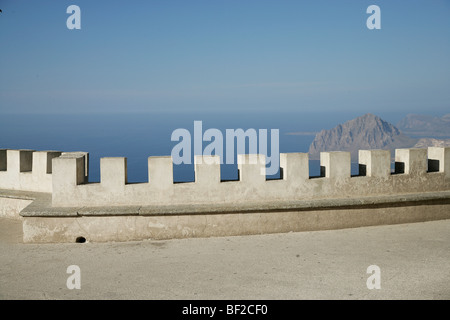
80	240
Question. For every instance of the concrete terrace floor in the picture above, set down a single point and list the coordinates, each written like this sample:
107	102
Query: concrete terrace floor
414	261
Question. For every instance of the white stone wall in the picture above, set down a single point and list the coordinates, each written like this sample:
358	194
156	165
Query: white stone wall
65	175
26	170
412	176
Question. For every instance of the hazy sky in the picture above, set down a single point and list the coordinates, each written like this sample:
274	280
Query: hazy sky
217	55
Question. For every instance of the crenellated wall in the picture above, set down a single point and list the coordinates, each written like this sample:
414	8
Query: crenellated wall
416	170
26	170
56	202
65	175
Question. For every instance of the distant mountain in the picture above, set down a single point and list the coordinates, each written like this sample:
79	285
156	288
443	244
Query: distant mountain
425	126
430	142
365	132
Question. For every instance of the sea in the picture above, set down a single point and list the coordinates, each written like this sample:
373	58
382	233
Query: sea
138	136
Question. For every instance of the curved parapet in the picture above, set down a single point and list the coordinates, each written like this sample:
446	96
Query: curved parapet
67	207
416	170
65	175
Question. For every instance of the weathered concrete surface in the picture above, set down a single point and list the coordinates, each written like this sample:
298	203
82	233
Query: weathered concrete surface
442	157
375	163
42	206
11	208
13	202
170	226
413	259
44	223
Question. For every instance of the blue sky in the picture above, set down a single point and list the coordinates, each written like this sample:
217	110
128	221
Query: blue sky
217	55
